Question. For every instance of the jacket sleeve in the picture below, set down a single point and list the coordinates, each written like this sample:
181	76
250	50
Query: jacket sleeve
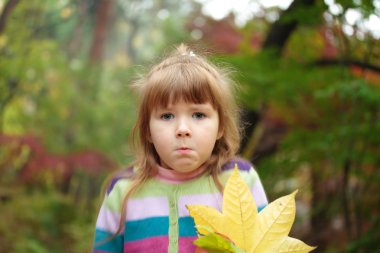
258	191
105	238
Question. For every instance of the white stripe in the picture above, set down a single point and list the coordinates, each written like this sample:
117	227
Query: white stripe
209	199
259	195
147	207
215	199
108	220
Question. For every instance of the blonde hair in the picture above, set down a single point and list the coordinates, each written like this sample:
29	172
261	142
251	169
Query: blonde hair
183	76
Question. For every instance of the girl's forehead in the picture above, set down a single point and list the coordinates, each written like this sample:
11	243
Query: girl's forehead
185	85
183	103
174	99
188	104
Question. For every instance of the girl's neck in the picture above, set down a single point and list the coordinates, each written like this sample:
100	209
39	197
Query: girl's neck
174	177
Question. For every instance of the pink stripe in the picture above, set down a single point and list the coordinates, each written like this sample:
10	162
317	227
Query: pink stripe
174	177
186	245
209	199
158	244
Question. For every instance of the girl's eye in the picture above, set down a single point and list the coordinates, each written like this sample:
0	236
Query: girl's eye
167	116
199	115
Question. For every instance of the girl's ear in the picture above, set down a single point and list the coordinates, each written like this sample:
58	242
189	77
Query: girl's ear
220	133
149	137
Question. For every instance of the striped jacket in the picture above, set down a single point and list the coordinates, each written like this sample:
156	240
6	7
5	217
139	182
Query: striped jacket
157	219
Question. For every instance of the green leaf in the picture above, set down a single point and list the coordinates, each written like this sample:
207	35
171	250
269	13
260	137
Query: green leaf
215	243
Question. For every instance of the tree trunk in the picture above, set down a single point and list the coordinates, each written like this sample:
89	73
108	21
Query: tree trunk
8	7
281	30
131	51
103	15
276	38
346	200
322	197
12	89
348	62
75	41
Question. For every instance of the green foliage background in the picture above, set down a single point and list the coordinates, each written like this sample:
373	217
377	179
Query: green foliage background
71	104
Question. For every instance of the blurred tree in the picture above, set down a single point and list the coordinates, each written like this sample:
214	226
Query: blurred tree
104	9
147	24
8	7
280	31
310	80
306	54
10	85
325	112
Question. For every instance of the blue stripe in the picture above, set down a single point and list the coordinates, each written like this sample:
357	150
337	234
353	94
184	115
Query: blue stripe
106	241
260	208
187	226
141	229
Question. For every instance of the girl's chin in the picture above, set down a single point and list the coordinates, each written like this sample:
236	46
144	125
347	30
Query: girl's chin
182	166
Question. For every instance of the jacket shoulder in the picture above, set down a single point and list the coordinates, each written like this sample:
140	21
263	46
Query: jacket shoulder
123	174
243	164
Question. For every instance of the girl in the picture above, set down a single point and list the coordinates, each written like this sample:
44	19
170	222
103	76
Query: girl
187	136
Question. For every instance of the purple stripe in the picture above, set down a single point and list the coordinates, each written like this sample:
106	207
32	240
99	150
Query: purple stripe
243	165
185	244
125	173
158	244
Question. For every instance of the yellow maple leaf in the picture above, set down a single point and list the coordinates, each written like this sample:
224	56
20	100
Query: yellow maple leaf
250	231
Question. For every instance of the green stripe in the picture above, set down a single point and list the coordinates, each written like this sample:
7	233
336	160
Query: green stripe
202	185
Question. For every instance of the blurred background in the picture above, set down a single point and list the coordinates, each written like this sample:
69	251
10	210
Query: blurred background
309	75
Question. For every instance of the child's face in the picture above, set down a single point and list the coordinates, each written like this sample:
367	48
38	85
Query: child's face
184	134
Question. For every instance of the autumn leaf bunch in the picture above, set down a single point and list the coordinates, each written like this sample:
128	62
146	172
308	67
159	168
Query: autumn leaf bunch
241	228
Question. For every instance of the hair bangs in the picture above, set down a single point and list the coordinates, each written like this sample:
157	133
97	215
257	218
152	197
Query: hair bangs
181	82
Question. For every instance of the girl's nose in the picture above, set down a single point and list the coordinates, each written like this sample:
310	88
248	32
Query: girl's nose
183	130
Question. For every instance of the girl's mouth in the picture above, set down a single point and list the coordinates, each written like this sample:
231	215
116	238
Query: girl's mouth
183	150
